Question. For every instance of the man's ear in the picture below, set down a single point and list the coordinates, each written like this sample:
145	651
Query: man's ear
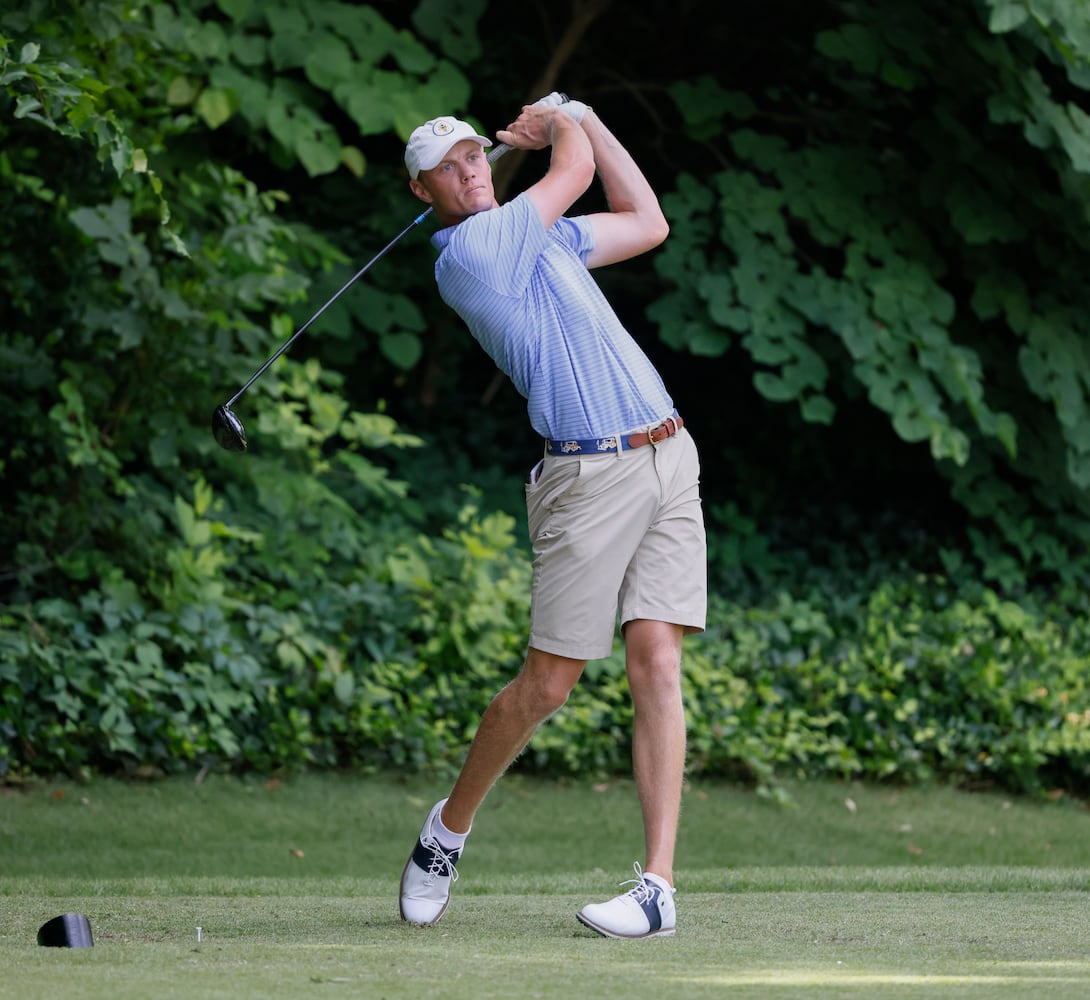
420	191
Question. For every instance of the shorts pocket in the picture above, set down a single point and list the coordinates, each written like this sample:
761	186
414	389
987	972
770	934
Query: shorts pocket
557	481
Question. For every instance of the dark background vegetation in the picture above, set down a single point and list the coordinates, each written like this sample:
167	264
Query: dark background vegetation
871	311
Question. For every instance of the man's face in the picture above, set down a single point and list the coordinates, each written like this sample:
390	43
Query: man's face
460	186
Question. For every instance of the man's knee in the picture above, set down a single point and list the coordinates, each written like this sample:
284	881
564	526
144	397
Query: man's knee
546	681
652	656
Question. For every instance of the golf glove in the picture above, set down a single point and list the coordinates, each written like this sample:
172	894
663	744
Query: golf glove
573	109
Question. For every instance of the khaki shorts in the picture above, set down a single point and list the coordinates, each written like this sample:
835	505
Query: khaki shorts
615	536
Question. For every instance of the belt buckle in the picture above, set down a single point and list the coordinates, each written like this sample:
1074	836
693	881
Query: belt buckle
670	420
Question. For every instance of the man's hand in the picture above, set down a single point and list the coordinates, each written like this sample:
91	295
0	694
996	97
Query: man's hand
535	128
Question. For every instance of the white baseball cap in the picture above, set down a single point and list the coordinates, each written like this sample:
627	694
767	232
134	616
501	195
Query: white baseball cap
431	141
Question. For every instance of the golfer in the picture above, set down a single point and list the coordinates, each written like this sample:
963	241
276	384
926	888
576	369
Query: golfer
614	505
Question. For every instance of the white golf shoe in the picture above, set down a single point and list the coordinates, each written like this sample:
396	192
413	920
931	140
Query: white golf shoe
429	873
646	910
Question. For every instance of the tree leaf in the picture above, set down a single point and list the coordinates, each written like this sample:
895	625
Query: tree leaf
818	410
1007	15
329	61
237	10
774	387
216	106
25	104
403	349
452	25
354	160
182	90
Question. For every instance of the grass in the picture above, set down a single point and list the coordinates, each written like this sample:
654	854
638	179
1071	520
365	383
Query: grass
854	891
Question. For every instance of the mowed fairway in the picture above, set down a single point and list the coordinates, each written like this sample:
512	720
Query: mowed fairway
851	892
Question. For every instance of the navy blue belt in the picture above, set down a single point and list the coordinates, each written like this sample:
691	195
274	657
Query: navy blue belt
596	446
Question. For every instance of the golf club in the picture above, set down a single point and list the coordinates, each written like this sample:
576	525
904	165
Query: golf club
227	429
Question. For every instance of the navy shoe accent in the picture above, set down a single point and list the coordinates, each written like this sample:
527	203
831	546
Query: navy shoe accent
650	906
433	857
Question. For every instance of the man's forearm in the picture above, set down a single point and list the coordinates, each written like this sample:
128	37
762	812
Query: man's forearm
625	186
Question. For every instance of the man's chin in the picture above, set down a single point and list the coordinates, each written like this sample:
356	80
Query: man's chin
471	210
468	209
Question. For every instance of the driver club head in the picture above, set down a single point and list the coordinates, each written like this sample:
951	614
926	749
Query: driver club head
69	930
227	429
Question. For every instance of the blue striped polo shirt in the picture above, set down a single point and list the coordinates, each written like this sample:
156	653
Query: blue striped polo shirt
528	298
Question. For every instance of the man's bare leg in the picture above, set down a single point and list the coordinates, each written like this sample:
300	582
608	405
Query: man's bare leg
653	661
540	689
542	686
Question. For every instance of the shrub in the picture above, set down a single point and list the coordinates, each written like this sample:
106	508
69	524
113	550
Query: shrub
389	662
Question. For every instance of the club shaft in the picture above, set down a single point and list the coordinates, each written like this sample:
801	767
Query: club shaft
493	155
348	284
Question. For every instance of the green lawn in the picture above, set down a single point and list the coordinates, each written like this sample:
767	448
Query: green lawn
851	892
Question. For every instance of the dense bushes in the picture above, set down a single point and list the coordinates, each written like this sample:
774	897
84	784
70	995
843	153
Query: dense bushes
390	660
366	662
182	183
911	680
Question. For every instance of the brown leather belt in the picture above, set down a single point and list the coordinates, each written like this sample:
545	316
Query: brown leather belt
595	446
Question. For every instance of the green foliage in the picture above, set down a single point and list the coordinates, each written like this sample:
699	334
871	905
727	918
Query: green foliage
145	572
180	182
291	72
384	654
912	681
68	100
894	676
900	237
307	86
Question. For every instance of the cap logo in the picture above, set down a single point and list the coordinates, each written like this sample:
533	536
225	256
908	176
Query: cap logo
442	127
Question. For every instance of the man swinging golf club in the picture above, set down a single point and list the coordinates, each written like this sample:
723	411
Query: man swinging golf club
613	507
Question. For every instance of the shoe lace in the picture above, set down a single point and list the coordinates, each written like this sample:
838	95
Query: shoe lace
442	862
641	890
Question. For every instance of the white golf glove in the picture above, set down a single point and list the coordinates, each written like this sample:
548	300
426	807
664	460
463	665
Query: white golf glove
573	109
